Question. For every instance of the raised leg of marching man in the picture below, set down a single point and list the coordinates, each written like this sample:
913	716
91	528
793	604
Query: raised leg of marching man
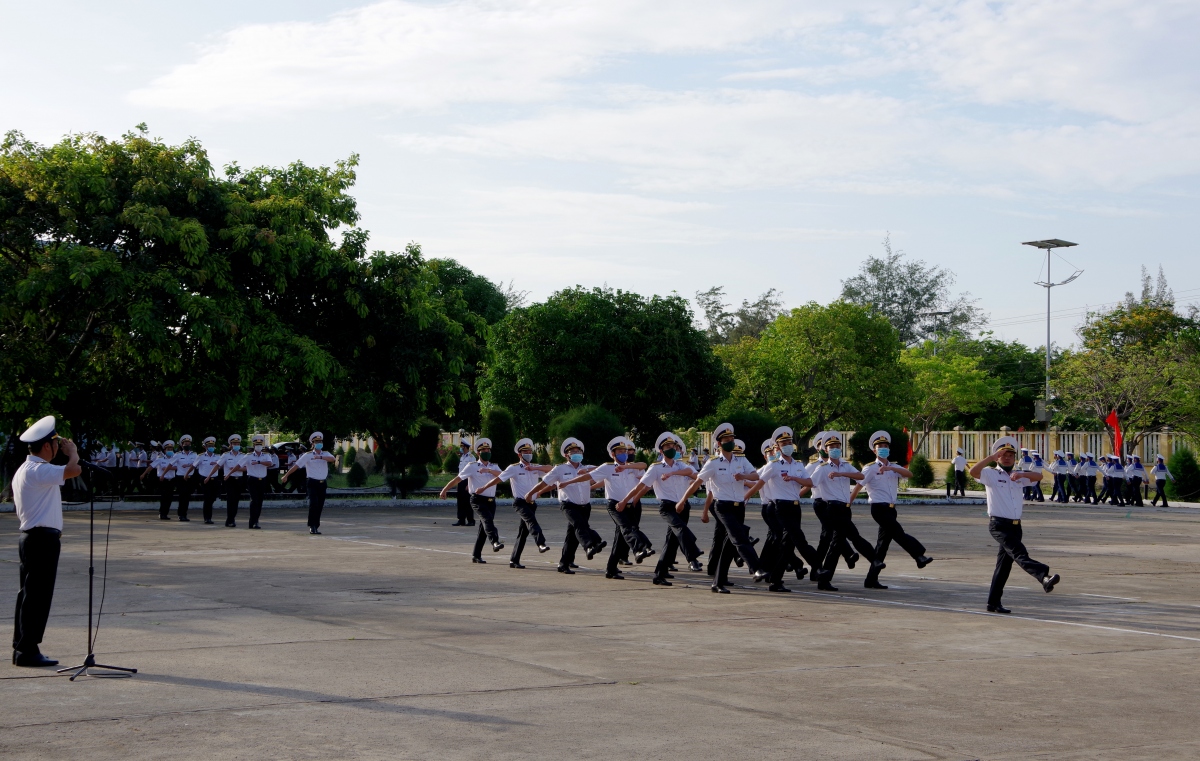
575	501
783	477
481	477
620	477
1003	484
881	479
522	477
835	478
670	479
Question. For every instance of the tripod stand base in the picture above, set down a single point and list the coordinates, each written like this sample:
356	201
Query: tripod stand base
90	663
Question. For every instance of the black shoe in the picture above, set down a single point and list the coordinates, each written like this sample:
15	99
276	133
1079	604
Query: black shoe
614	575
760	575
640	556
873	584
314	530
497	546
515	564
778	588
718	589
481	561
878	566
567	571
458	523
230	525
572	565
668	576
625	563
923	561
208	523
1049	582
753	540
543	548
739	561
164	517
997	609
850	561
825	586
800	573
185	519
695	566
256	526
32	660
812	575
596	549
661	582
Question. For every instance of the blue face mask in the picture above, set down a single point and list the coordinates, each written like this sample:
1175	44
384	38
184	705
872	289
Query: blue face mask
883	452
211	450
318	446
835	453
622	456
577	458
236	447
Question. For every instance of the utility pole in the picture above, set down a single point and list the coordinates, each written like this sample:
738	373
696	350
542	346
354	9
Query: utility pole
1049	246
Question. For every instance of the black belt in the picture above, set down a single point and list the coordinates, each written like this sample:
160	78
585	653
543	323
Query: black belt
574	504
884	504
792	502
43	530
730	502
257	478
480	496
1014	521
318	480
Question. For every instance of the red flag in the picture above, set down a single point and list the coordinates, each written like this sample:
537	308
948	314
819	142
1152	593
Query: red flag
1115	423
910	452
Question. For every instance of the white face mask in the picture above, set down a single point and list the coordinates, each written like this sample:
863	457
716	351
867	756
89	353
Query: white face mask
526	456
258	447
788	449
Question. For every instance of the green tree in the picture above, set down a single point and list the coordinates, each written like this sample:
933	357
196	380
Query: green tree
641	358
591	424
821	367
750	425
498	425
945	384
748	321
922	471
860	444
357	477
1020	370
1186	472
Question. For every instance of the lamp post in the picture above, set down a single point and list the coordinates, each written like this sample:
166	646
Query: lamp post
1049	246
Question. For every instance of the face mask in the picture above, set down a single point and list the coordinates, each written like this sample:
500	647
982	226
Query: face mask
169	451
1006	468
669	454
211	450
883	452
679	455
835	453
577	458
257	448
727	446
485	456
318	446
187	447
773	457
788	449
526	456
236	447
622	457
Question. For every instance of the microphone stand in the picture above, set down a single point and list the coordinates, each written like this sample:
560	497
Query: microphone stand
90	661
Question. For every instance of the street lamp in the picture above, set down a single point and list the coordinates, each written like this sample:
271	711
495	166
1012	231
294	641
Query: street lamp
1049	246
936	334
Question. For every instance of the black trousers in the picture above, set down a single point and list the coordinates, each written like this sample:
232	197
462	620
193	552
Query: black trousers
1089	483
732	516
463	500
1160	490
1073	487
38	551
186	487
1135	491
1060	488
825	540
626	536
316	500
579	533
257	488
528	526
890	530
485	514
714	550
844	534
211	491
960	482
633	514
1008	534
793	535
679	536
166	493
233	496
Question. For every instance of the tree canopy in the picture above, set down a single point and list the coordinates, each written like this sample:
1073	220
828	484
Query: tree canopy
947	383
747	321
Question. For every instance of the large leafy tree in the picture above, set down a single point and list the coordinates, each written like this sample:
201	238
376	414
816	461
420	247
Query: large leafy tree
640	358
821	367
747	321
1020	370
947	383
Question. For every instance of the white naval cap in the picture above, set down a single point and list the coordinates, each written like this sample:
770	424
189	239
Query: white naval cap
832	436
153	443
1159	457
209	440
569	442
184	437
483	441
1058	453
1136	456
722	430
237	436
523	444
1035	453
316	435
619	441
782	432
879	436
168	443
958	451
739	446
258	438
664	437
819	439
42	429
768	446
1004	442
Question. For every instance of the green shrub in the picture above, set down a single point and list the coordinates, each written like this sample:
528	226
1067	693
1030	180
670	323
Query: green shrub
591	424
499	426
450	464
348	459
922	472
860	445
1186	486
543	456
357	476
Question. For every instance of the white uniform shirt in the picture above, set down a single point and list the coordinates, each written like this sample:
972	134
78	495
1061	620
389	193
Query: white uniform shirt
773	473
129	460
163	466
143	459
35	492
520	478
257	464
1036	466
834	489
183	461
274	460
230	460
1005	495
1073	466
207	464
720	476
673	488
578	494
1136	470
154	455
811	468
1058	467
766	493
616	485
315	464
1161	473
880	486
960	463
477	474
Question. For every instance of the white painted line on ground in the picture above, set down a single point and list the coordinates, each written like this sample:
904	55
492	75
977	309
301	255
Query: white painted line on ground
1108	597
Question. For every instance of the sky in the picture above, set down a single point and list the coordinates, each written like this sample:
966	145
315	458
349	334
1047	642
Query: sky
666	147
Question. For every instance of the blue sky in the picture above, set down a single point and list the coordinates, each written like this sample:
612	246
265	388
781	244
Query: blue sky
670	146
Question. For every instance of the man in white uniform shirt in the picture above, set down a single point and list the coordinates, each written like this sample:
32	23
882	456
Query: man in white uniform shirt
1074	493
462	494
206	468
185	484
1003	485
481	476
670	478
230	463
780	482
821	510
522	476
315	463
960	474
881	479
256	464
575	501
35	487
726	477
1161	476
832	479
1059	469
164	469
620	477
